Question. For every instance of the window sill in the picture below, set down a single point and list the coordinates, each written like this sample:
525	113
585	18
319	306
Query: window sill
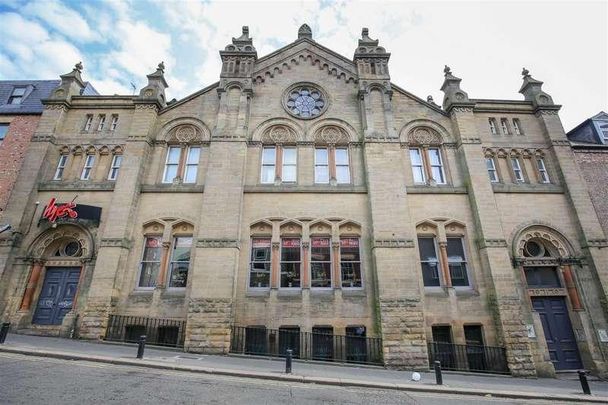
438	189
172	188
527	188
353	292
142	291
59	185
289	292
321	292
317	188
257	293
435	291
175	291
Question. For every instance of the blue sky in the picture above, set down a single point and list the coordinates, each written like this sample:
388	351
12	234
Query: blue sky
564	44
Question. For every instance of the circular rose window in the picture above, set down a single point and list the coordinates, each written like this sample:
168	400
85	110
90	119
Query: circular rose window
305	101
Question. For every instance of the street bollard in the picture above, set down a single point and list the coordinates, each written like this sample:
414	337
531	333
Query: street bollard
582	376
141	346
288	361
4	331
438	376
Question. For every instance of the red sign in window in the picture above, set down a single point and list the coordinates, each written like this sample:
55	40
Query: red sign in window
261	243
349	242
290	243
52	211
320	242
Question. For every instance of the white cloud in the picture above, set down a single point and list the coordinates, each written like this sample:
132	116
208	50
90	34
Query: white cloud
61	18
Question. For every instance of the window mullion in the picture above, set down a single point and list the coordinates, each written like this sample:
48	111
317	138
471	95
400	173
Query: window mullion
426	162
331	161
278	164
445	263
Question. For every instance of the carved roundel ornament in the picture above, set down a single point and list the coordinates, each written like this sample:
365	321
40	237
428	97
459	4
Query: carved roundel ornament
305	101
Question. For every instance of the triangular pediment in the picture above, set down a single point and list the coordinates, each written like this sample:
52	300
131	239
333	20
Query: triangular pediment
305	51
602	116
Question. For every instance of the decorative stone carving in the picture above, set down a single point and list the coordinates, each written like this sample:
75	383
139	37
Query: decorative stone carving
217	243
393	243
331	135
186	133
279	134
544	233
424	136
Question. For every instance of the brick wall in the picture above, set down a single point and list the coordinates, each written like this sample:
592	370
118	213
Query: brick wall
12	151
594	167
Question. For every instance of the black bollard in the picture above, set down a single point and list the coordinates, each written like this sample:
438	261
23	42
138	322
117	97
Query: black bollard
438	376
288	361
582	376
4	331
141	346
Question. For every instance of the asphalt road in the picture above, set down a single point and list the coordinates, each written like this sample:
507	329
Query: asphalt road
31	380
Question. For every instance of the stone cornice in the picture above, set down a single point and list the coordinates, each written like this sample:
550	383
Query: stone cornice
76	186
491	243
393	243
596	243
123	243
172	188
321	189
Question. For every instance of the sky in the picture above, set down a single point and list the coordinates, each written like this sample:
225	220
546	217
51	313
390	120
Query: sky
564	44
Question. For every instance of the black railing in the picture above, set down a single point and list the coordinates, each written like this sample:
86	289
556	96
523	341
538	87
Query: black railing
481	359
158	331
306	345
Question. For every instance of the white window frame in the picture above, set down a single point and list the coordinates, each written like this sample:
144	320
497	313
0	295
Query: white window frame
317	164
504	124
299	238
465	262
115	167
87	169
331	264
492	172
418	166
172	261
141	262
542	171
88	123
167	164
191	166
102	122
284	165
63	159
19	97
360	261
437	261
266	164
347	165
251	261
517	170
440	165
114	123
517	126
492	123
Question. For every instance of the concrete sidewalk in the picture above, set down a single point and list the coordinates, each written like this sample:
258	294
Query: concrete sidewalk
566	388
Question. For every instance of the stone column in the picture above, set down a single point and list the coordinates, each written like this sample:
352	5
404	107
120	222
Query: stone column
32	283
445	265
337	270
305	264
274	265
571	287
161	280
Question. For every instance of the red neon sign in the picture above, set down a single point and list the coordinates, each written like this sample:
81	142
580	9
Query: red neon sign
53	211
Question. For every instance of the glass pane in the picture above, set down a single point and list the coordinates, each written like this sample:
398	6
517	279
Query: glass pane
435	157
415	157
515	163
455	249
268	156
148	275
438	174
179	274
170	173
426	247
418	174
260	275
181	249
430	274
290	275
342	157
173	155
321	174
321	156
117	160
268	174
289	173
193	156
351	274
290	254
152	250
320	274
19	91
458	273
342	174
190	174
490	163
289	156
320	250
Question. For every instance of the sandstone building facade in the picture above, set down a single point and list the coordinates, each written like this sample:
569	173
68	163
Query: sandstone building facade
306	193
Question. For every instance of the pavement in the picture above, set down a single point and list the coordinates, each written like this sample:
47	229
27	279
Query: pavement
566	388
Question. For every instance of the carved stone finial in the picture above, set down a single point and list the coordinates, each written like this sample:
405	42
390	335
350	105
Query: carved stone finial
161	67
304	31
447	70
78	67
429	99
245	31
366	40
525	72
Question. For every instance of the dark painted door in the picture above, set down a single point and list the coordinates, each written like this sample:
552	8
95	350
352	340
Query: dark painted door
559	335
57	295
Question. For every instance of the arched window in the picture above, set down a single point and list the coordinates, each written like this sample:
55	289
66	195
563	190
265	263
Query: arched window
332	156
279	156
183	155
426	156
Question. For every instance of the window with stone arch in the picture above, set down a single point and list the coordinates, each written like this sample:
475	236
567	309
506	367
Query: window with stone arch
332	159
260	259
348	255
321	255
427	156
166	254
183	154
443	253
290	255
279	156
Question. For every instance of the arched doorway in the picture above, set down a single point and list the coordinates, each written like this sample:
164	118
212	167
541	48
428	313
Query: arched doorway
545	258
58	258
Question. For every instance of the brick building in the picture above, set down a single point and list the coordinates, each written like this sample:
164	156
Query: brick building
305	201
